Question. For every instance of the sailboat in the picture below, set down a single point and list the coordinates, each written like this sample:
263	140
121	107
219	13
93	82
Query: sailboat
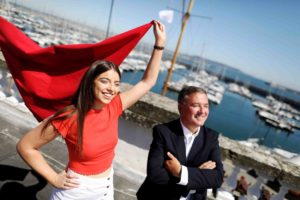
213	87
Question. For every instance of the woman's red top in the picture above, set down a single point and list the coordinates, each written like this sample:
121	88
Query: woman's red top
100	137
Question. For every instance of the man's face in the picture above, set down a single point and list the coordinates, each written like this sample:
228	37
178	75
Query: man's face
194	110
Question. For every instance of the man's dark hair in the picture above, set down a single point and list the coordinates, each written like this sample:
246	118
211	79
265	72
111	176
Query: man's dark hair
187	90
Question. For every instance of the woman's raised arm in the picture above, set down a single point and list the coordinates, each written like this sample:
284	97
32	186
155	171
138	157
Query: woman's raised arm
132	95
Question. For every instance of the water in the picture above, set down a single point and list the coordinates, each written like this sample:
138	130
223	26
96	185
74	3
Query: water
237	75
234	117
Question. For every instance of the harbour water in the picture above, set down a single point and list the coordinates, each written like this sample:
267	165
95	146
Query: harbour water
235	117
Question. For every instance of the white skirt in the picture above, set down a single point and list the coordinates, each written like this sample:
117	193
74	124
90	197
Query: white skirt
89	189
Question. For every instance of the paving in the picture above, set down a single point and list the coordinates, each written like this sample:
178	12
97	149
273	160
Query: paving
18	181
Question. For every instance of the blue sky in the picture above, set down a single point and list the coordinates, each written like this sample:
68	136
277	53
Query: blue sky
261	38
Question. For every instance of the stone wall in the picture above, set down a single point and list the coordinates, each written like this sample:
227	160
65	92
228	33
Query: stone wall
2	61
154	108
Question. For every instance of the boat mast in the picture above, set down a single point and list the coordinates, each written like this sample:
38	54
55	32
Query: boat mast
109	19
185	19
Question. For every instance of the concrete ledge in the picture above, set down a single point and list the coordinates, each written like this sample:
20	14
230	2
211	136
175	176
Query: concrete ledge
14	123
265	164
151	109
1	57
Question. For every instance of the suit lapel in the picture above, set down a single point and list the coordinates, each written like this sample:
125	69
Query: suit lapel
179	142
198	144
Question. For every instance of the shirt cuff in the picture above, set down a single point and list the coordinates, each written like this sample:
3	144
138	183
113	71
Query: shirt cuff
184	179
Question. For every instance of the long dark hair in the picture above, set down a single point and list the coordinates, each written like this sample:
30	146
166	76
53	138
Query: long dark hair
84	98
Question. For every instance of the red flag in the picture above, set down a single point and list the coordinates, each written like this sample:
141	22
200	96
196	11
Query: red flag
47	78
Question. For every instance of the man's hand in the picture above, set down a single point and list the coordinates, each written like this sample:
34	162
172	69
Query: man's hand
173	165
208	165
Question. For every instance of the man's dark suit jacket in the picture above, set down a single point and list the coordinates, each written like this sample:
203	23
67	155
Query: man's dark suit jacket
159	184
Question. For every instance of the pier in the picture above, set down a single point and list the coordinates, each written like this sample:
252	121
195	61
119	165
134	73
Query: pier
263	92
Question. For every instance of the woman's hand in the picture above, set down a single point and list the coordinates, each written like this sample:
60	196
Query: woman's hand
159	33
66	181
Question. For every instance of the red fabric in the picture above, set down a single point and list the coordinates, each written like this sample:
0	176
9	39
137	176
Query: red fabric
100	136
47	78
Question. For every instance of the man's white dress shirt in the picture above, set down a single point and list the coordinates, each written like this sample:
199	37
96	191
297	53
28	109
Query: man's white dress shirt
189	138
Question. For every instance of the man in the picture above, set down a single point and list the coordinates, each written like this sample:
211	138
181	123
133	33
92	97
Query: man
184	157
241	187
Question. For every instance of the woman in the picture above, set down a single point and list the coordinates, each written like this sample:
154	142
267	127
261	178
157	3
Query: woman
89	127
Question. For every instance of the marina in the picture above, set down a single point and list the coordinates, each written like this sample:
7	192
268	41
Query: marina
231	101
